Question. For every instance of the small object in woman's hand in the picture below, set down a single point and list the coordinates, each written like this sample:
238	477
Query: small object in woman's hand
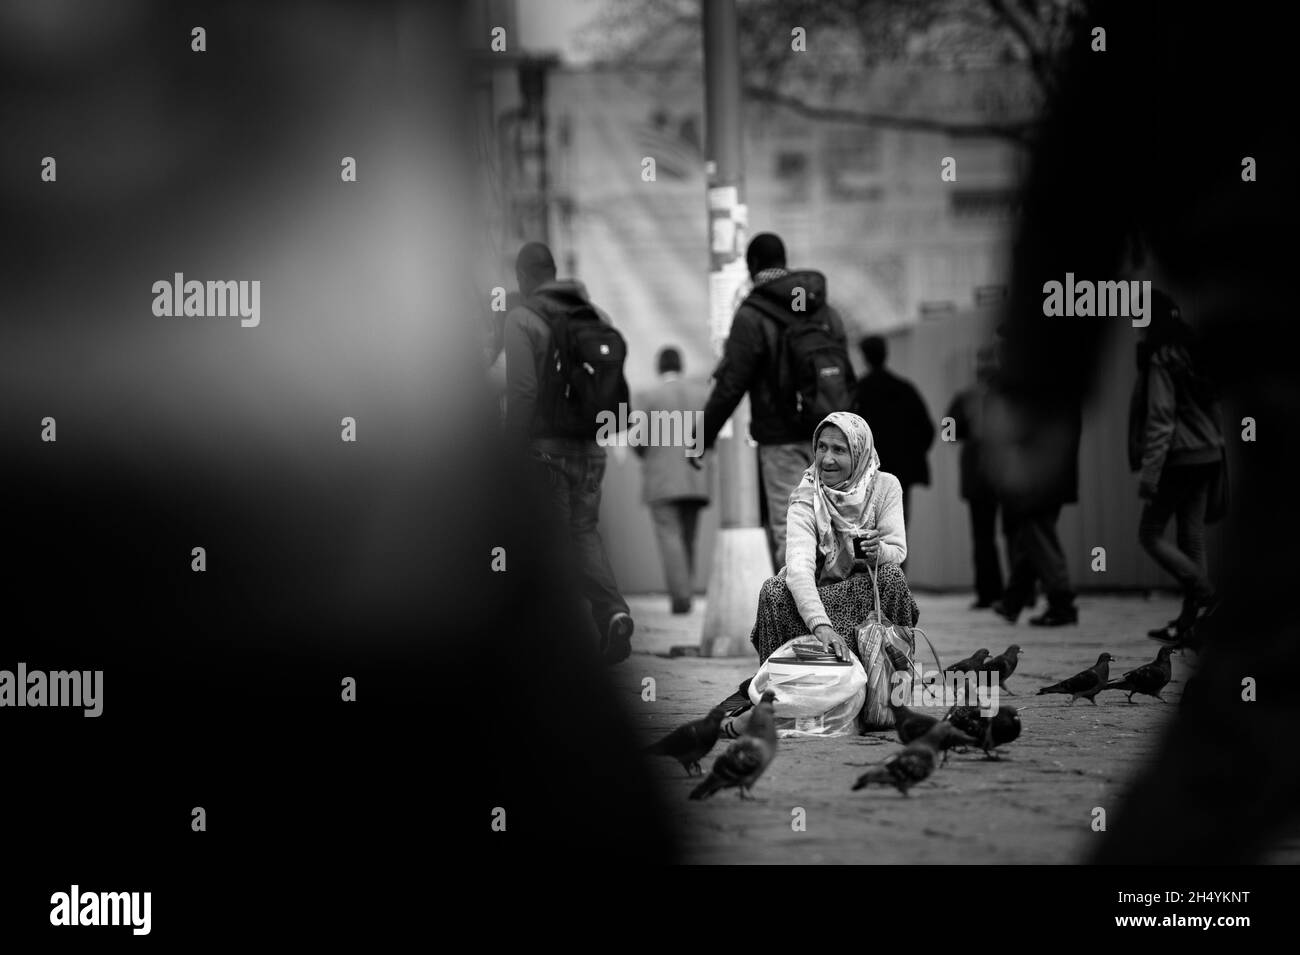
865	545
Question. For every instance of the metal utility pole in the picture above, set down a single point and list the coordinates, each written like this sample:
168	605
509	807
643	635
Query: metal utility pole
741	561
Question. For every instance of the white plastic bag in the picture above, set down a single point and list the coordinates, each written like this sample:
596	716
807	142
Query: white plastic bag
812	698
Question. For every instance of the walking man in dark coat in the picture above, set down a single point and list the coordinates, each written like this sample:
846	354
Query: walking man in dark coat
899	420
750	365
967	413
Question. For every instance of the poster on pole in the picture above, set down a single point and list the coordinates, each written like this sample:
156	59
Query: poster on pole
724	286
724	236
723	198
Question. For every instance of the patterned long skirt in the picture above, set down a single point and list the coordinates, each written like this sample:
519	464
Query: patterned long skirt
847	603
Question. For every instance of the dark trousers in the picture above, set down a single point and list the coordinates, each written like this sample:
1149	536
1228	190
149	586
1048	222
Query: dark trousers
574	479
1036	557
984	543
1183	494
676	522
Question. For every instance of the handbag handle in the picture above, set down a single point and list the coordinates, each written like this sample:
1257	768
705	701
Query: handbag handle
880	614
875	588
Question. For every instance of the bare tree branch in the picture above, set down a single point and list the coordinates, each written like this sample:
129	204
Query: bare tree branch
854	36
1018	133
1029	33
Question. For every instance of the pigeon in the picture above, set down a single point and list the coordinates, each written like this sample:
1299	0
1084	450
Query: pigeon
1004	727
1004	664
1148	679
915	762
743	761
967	719
972	662
691	742
990	731
1086	684
911	724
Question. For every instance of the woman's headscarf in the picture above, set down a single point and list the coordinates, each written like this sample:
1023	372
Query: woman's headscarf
840	512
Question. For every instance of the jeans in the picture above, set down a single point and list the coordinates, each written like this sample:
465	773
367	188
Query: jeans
1183	494
983	533
781	466
574	478
1036	555
675	524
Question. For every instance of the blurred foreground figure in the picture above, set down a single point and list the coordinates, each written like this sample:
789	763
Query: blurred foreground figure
331	567
1139	140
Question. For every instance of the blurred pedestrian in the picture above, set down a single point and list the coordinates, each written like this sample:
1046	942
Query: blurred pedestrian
573	463
967	412
788	350
675	491
1176	445
898	417
1029	518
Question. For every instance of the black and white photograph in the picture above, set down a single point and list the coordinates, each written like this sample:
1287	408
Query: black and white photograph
494	450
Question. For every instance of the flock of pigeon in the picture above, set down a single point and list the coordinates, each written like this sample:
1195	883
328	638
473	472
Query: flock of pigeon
926	738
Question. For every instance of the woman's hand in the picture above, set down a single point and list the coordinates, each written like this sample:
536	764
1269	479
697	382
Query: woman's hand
870	551
831	639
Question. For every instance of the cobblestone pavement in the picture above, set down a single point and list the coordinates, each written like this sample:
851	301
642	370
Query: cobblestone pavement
1034	806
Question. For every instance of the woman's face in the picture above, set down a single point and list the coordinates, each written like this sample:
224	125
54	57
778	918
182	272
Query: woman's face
834	461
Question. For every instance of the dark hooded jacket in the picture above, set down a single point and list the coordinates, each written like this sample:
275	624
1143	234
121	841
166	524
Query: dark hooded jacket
527	343
1174	413
749	363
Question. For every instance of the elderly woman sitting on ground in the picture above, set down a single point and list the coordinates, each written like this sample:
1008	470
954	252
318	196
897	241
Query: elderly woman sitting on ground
825	587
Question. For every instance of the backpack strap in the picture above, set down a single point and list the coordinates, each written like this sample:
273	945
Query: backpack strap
772	326
559	328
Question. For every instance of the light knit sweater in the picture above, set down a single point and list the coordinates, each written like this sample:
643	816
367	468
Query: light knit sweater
884	513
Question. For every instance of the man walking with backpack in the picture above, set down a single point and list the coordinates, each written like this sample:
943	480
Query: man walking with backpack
788	350
564	367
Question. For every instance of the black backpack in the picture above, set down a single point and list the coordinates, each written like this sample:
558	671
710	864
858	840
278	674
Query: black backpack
813	374
583	372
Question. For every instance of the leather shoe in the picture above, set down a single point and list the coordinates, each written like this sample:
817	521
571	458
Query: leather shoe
1056	616
1006	613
